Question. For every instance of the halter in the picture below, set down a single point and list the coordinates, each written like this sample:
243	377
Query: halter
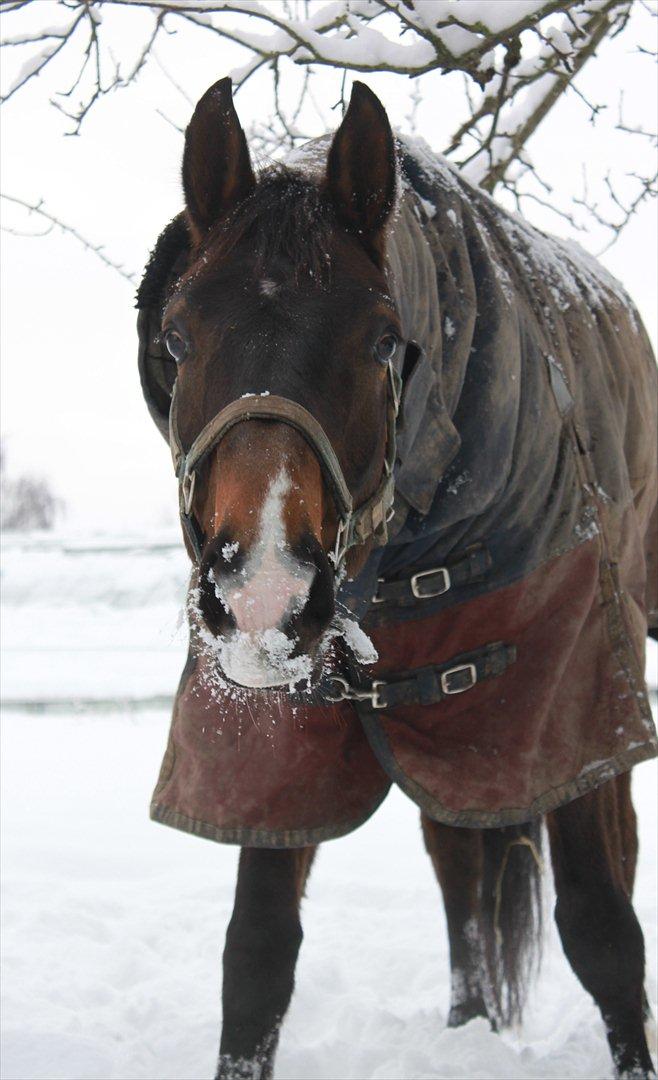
355	525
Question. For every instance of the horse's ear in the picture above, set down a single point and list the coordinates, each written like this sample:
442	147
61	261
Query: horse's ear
362	169
217	172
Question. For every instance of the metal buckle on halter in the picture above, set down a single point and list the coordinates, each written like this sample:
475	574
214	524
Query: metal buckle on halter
443	587
341	545
395	386
346	692
448	684
187	484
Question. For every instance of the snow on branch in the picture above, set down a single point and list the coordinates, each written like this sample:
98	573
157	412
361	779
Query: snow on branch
522	93
481	38
518	58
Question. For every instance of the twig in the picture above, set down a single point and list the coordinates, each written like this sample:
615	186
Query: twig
518	86
96	249
621	125
647	190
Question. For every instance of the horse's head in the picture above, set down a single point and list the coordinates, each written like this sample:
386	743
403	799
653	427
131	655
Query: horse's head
284	335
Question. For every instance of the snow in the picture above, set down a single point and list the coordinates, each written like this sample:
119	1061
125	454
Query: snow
271	584
262	658
92	619
428	207
25	38
357	640
113	926
342	32
230	550
33	64
569	271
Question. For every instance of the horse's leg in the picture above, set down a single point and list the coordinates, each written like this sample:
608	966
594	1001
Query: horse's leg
629	849
262	943
593	859
628	843
457	858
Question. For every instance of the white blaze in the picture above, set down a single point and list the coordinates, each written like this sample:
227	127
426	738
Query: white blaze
272	584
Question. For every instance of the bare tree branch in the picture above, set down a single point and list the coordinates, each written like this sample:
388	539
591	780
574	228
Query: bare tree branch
97	249
539	85
646	189
621	125
517	62
53	43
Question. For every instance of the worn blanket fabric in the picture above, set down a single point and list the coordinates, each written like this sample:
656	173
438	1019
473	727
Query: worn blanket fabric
528	452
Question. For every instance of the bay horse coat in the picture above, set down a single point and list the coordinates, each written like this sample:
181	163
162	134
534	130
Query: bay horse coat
509	604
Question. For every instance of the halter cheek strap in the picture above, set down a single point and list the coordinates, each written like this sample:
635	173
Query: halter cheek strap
355	525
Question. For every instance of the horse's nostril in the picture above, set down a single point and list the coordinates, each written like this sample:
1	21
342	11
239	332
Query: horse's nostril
215	612
309	623
221	559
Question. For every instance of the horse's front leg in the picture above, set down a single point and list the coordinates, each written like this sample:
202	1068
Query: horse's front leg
262	943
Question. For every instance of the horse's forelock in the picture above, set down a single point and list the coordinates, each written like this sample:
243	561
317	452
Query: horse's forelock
287	220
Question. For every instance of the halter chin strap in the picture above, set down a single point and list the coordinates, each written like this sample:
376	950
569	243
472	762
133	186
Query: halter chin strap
355	525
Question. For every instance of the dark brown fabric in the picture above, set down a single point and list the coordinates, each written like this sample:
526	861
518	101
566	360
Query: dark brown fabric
260	769
256	768
568	715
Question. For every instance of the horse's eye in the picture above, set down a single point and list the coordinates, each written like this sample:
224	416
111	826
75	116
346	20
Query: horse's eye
176	346
385	347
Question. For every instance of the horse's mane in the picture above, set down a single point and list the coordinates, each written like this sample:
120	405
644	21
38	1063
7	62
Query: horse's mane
172	245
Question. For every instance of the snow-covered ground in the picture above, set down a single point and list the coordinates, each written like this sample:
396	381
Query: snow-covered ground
113	926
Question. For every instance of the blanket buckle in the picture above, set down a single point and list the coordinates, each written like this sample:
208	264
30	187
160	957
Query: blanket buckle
438	590
458	679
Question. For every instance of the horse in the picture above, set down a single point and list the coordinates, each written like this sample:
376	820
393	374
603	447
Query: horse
399	415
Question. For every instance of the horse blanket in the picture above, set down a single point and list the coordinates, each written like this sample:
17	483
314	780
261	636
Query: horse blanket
509	607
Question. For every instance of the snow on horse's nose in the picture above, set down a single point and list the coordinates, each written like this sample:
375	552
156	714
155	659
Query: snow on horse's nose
269	595
272	584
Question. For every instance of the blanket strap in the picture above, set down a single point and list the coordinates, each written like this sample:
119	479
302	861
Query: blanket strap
426	685
425	584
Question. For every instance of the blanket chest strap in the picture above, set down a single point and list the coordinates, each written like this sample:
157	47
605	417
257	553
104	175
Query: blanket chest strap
425	584
426	685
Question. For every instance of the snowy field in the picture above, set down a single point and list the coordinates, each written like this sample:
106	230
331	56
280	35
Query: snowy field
113	926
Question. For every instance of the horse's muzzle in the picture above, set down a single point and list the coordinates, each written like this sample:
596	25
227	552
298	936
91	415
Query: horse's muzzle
272	610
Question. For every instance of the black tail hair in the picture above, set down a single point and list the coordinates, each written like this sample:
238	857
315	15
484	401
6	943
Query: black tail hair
511	916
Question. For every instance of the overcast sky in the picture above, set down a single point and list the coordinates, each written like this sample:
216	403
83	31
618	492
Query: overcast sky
71	404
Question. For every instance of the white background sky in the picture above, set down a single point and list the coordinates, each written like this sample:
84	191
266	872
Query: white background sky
71	403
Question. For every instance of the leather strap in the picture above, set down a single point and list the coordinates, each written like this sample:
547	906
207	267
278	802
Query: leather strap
272	407
426	584
354	525
427	685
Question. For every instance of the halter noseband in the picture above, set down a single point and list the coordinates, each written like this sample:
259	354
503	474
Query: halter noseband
355	525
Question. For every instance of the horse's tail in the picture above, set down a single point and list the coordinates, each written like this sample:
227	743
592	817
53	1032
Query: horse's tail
511	913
